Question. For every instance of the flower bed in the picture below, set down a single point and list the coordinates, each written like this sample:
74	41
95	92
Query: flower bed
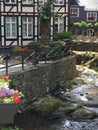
8	95
9	98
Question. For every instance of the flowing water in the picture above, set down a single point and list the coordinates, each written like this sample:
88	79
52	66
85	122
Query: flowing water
86	91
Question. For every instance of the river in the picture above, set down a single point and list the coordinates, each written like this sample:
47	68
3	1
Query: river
86	91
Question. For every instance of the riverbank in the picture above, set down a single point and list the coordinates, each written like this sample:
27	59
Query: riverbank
84	83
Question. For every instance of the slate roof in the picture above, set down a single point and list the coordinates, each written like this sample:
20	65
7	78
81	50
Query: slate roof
73	2
89	4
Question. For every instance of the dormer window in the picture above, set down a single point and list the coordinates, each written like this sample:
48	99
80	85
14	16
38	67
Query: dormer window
91	16
10	1
74	12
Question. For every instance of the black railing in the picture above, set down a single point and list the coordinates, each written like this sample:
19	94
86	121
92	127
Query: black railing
7	53
48	53
37	54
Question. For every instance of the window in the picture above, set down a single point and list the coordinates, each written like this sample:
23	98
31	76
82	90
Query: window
58	25
59	2
90	32
11	27
10	1
91	16
74	12
27	27
41	2
27	1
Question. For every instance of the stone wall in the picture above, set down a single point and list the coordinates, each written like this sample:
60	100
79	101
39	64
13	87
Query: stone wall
85	46
38	81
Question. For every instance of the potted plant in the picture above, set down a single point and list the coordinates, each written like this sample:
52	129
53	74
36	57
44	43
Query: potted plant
18	50
9	98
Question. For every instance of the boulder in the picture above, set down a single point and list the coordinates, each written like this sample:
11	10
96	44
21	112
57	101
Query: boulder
83	114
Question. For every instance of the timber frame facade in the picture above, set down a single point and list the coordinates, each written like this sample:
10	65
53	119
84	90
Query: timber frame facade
19	21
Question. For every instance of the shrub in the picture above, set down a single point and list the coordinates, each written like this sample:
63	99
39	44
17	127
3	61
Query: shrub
31	44
57	43
62	35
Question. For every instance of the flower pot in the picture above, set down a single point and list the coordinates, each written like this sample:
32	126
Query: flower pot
7	112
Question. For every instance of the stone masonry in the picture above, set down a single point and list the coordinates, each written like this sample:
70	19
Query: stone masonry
38	81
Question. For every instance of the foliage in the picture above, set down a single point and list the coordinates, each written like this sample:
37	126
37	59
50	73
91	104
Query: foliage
69	83
10	128
19	48
62	35
56	43
8	95
33	43
48	105
89	25
79	105
77	24
82	24
45	12
96	24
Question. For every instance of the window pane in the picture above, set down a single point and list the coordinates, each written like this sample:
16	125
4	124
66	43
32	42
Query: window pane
8	30
24	30
91	16
11	29
10	1
74	12
27	28
27	1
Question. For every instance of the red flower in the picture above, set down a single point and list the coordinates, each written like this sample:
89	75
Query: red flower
17	100
24	49
1	95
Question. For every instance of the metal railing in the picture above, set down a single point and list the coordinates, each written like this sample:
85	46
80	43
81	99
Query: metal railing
50	53
7	53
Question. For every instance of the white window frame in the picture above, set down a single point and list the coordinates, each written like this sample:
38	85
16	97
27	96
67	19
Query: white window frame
92	13
77	15
59	22
27	1
25	27
10	2
11	27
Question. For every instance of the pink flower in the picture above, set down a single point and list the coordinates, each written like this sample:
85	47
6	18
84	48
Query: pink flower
15	92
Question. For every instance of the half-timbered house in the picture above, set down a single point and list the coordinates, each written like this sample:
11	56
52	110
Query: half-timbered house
19	20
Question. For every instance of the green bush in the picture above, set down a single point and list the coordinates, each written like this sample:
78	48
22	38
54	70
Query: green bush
31	44
62	35
56	43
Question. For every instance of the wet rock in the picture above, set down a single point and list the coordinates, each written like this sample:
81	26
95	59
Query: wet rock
69	110
65	111
47	105
84	114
